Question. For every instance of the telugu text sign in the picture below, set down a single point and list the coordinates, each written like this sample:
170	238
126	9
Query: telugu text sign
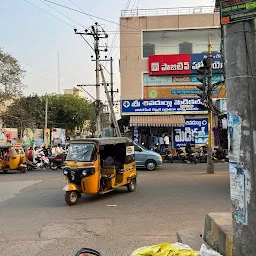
161	106
176	80
237	10
194	132
178	92
169	64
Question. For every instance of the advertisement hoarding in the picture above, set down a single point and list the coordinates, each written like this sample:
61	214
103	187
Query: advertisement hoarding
178	92
176	80
194	132
237	10
180	64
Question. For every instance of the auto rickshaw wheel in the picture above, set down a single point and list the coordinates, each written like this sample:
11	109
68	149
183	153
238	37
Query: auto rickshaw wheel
132	185
71	197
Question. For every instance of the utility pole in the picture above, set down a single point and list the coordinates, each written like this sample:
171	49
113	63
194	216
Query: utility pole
97	32
110	103
210	164
111	81
58	73
46	113
240	64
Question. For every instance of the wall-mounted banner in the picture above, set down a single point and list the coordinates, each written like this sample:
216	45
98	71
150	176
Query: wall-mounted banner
169	64
194	132
178	92
235	11
176	80
161	106
180	64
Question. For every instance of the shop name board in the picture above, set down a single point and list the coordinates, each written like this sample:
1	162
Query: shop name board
176	80
158	106
237	10
175	64
194	132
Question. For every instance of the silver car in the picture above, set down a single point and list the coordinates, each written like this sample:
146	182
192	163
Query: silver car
146	158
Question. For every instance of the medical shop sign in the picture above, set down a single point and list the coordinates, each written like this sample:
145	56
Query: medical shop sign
169	64
161	106
195	132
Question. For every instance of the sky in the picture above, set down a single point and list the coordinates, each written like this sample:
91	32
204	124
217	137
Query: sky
35	38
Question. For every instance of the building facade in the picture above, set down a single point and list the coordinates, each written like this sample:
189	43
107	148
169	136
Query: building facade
160	52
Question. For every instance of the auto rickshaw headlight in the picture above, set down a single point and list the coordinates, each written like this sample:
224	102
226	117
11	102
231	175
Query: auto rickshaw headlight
65	172
84	172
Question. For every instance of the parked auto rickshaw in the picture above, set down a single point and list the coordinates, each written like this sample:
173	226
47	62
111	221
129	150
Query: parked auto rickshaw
98	166
12	157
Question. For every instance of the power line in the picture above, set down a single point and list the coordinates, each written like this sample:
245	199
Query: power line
81	9
62	14
49	14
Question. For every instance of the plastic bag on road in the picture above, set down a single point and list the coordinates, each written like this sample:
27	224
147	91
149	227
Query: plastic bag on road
204	251
165	250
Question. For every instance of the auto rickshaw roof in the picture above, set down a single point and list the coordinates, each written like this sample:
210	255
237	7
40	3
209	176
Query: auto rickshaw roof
105	141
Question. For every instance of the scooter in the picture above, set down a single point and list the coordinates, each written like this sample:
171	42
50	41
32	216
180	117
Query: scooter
41	162
168	156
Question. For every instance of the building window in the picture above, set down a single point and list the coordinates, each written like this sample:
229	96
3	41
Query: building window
148	49
186	48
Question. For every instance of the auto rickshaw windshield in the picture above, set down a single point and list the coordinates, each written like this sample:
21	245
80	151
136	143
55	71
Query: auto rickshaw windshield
16	151
81	152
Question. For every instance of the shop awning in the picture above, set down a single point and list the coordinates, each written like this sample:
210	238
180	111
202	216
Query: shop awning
163	120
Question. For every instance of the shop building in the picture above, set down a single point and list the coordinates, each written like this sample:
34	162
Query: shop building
160	52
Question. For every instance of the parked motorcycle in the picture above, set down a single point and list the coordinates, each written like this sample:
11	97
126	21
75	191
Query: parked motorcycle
41	161
180	155
168	156
202	154
220	154
191	157
56	162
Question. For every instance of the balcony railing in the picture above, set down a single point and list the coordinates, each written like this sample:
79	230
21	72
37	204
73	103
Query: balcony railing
168	11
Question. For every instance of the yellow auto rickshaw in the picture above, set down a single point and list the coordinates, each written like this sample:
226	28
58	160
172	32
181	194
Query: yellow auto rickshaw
12	157
98	166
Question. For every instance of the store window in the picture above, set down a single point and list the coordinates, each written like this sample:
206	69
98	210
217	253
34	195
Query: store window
182	41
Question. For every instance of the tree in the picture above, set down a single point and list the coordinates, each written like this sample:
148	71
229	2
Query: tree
68	111
11	75
25	112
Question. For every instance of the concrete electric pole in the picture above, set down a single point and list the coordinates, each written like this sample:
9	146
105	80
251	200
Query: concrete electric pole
240	64
97	32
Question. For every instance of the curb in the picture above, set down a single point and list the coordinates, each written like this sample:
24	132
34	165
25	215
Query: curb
218	232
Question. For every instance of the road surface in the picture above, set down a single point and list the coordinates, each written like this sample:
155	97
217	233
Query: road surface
35	220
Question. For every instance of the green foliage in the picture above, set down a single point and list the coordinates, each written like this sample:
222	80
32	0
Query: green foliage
11	75
25	112
64	111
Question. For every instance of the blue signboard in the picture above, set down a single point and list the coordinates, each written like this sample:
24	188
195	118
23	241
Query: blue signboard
158	106
194	132
190	91
217	62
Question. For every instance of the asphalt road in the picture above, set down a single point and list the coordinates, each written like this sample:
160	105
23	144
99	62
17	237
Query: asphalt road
35	220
